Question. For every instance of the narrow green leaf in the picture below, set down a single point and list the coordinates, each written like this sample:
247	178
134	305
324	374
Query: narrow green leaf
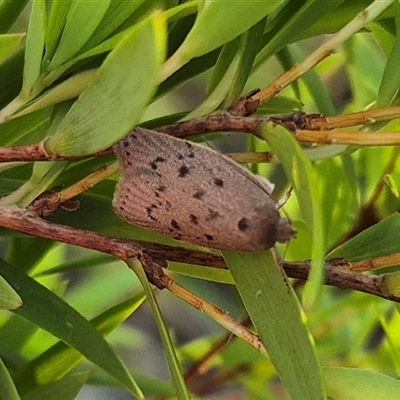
55	25
9	12
34	48
115	101
379	240
117	13
8	390
49	312
59	359
274	310
304	179
9	298
172	358
8	44
232	19
83	17
315	85
66	90
63	389
391	75
11	71
298	17
355	384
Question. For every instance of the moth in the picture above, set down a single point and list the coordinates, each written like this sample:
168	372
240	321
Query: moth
194	194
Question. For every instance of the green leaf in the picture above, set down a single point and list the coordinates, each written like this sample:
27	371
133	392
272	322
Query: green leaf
291	23
7	388
59	359
275	313
379	240
11	71
172	358
8	44
49	312
305	181
9	298
34	48
82	17
391	75
115	101
9	12
63	389
232	19
55	26
355	384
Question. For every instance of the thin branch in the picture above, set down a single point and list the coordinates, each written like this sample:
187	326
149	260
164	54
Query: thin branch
22	220
359	138
323	51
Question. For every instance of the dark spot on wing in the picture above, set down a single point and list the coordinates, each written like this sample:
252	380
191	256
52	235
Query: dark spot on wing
161	188
180	157
149	211
199	195
183	171
208	237
175	225
243	224
156	161
168	206
193	219
218	182
212	215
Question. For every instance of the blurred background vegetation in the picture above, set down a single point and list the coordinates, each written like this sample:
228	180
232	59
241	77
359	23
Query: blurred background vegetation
349	328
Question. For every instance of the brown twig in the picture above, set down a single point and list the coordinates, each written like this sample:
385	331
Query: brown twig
21	220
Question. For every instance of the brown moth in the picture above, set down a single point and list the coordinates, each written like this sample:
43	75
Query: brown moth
194	194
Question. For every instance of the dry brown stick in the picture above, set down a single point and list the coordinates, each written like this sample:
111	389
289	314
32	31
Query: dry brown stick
359	138
359	118
21	220
216	122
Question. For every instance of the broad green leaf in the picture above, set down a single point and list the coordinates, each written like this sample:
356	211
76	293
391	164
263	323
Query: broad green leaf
63	389
305	181
59	359
83	17
232	18
170	352
9	298
379	240
49	312
355	384
8	390
275	313
115	101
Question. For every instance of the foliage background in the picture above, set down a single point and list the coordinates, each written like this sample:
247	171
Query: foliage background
350	329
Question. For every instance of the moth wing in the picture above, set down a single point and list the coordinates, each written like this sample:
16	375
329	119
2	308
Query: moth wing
192	193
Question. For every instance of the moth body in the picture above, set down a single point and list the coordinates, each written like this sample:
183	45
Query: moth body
194	194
